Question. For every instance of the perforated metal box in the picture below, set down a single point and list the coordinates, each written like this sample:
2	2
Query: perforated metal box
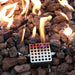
40	52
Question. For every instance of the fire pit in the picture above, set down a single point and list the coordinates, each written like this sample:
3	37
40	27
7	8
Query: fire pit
31	31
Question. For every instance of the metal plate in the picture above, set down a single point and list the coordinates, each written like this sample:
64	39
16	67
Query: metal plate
40	52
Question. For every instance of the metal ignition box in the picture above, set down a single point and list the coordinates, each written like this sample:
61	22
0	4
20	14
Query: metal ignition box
40	52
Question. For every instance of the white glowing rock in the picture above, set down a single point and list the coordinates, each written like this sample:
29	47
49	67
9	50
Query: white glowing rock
68	31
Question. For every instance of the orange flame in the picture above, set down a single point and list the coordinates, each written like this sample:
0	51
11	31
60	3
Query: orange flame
34	32
3	1
43	20
9	17
36	5
65	4
68	31
23	35
25	7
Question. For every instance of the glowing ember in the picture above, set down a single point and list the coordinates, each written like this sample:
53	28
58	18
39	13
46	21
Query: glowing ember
3	1
36	6
68	31
42	24
65	4
64	15
23	35
34	32
25	7
8	18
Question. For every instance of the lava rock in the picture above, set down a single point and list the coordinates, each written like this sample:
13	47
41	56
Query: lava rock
55	45
22	68
13	72
60	55
10	43
55	61
1	71
35	39
54	69
58	19
1	58
13	52
26	73
53	73
5	73
33	72
17	37
3	45
74	58
68	59
30	26
24	50
27	33
73	72
62	69
53	7
70	67
10	62
1	39
4	52
72	39
41	71
63	37
55	36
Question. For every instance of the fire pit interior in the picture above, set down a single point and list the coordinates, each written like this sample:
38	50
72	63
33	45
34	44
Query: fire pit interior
37	37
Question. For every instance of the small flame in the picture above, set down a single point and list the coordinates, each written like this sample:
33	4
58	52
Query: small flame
36	5
65	4
43	20
68	31
3	1
25	7
23	35
10	23
9	17
34	32
64	15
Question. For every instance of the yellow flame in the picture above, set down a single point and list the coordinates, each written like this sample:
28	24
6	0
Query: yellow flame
8	18
36	5
23	35
65	4
25	7
10	23
68	31
43	20
34	32
3	1
64	15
